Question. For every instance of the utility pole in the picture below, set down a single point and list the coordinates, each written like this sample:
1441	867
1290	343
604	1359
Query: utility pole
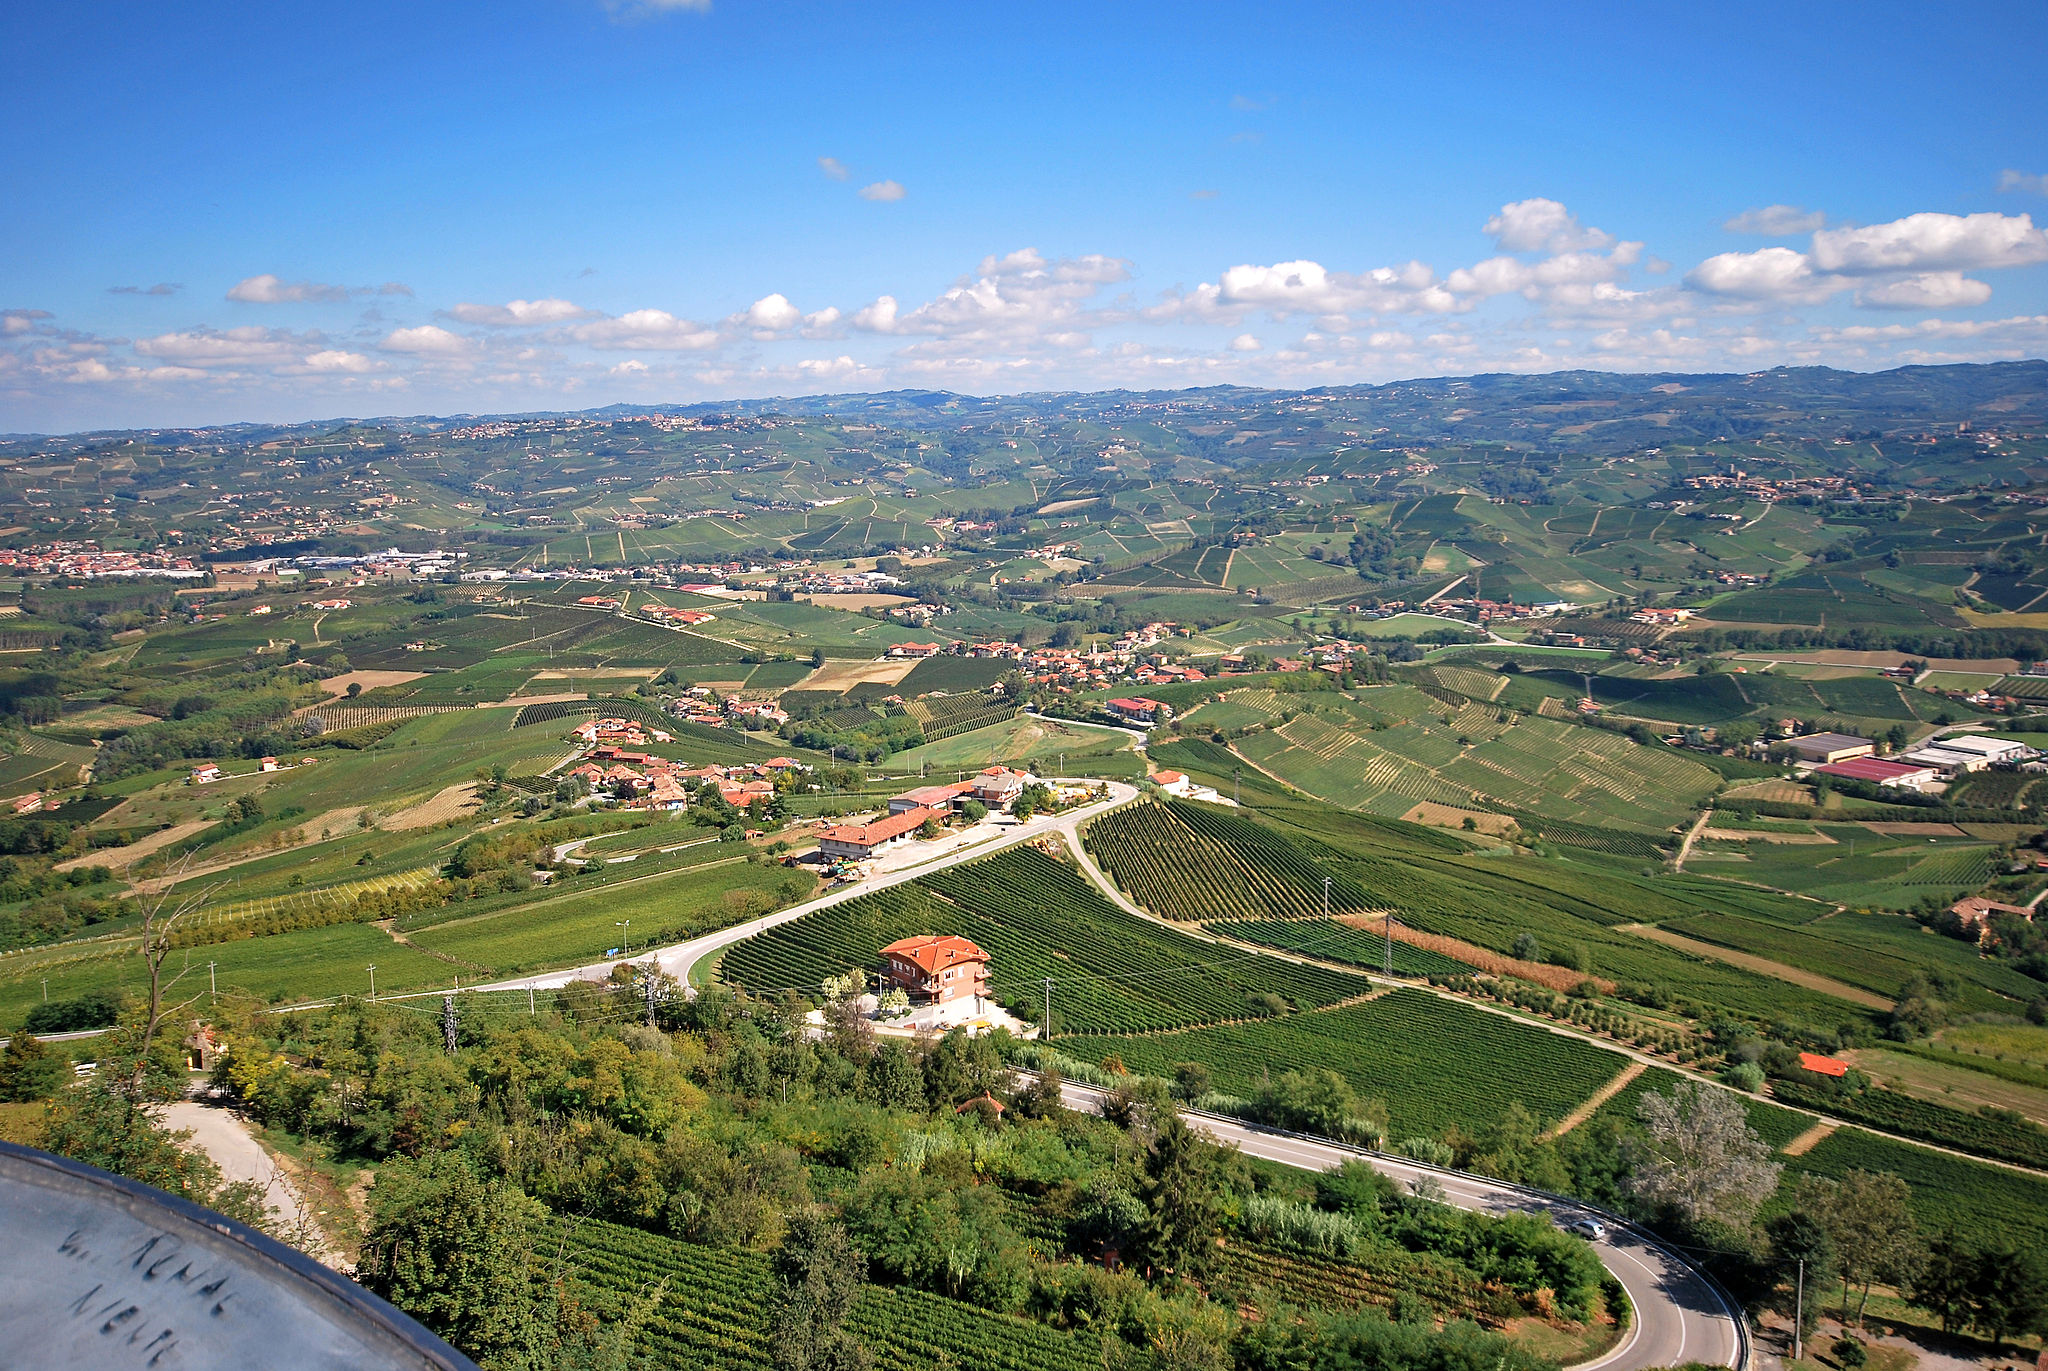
1045	1031
625	937
529	1002
212	987
46	990
647	984
1799	1315
1237	785
1326	897
448	1021
373	980
1388	968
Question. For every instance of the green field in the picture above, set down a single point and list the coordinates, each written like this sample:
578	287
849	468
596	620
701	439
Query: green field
1038	918
1434	1062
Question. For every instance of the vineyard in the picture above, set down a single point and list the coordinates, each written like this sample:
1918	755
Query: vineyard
1434	1062
2022	687
1328	939
714	1311
1197	862
2011	1140
1774	1125
295	908
948	716
1984	1203
1111	972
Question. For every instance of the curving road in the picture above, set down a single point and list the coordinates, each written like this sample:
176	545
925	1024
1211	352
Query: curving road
1679	1317
676	959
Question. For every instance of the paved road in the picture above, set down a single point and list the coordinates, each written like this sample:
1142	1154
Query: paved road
220	1133
1678	1316
676	959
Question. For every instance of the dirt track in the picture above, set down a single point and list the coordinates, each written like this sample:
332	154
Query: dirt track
1761	965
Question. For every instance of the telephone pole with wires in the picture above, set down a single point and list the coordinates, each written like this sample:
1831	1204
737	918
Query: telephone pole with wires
448	1021
1045	1029
648	980
1388	968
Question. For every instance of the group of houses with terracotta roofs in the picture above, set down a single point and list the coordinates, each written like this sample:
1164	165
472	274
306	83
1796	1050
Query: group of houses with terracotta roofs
619	733
641	780
994	788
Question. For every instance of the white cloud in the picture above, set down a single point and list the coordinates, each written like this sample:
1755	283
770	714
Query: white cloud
1541	225
333	360
632	366
822	323
771	314
160	288
649	330
833	168
428	340
1020	297
1244	342
235	347
2028	182
1307	288
15	321
514	313
1778	274
1776	221
882	190
2017	327
1930	290
270	290
1933	242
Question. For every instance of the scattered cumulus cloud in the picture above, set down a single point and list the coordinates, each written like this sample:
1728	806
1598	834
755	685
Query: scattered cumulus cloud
833	168
427	340
1776	221
646	330
882	190
1930	290
632	366
1541	225
514	313
2029	182
1933	242
160	288
1776	274
269	289
1244	342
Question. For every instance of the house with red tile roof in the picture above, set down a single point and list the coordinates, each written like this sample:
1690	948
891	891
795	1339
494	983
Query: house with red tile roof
933	969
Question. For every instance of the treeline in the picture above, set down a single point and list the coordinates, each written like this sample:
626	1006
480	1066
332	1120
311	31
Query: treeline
2025	644
259	724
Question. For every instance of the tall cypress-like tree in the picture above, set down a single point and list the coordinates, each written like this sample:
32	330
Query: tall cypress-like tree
1183	1197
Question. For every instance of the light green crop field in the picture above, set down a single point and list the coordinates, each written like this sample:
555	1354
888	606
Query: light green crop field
1087	750
579	923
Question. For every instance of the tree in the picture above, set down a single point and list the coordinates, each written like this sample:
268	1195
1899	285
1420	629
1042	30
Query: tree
2009	1292
1182	1190
1800	1249
1869	1221
29	1070
819	1273
1700	1157
456	1252
1942	1284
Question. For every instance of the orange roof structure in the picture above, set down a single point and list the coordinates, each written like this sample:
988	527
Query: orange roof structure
880	831
1825	1066
933	953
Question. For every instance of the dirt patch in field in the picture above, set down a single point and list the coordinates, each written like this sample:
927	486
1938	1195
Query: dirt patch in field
1807	1141
1744	835
844	674
560	696
857	603
1477	957
1450	816
1585	1111
1877	661
368	680
450	802
121	858
1773	792
625	673
1763	966
1906	830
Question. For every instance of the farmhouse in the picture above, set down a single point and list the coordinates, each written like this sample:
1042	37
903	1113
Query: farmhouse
206	773
902	650
998	785
936	797
1825	1066
858	842
1173	782
1823	748
933	969
1976	911
1138	710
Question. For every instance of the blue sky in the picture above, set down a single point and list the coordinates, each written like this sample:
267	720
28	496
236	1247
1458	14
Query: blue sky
237	212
